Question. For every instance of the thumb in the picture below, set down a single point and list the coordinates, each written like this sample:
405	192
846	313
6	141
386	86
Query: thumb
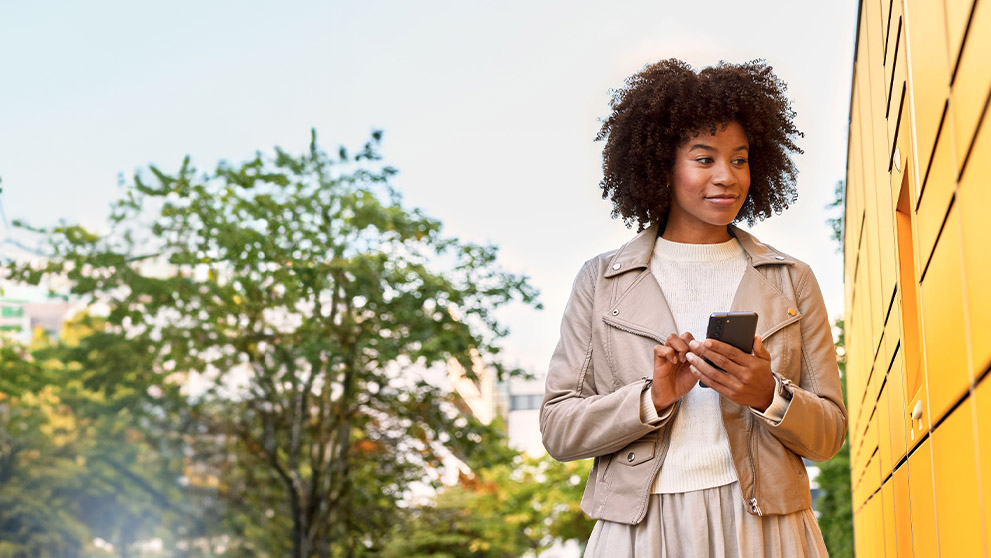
759	350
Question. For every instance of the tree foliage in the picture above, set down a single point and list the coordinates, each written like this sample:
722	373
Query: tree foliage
518	507
838	205
298	303
81	455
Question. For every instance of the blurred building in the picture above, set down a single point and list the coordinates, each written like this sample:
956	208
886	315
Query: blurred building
21	319
917	269
521	399
14	320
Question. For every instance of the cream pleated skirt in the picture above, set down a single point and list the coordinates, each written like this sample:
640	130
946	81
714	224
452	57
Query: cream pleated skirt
708	523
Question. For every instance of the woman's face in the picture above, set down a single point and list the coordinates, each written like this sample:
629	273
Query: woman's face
709	183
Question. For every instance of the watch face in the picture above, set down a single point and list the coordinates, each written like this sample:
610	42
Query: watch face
785	392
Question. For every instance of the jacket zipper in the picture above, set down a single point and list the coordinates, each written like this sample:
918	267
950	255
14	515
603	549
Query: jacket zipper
635	332
754	507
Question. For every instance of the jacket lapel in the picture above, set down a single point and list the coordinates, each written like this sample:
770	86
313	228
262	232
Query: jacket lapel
757	294
642	310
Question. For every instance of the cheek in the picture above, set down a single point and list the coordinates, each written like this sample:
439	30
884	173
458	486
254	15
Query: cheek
744	178
685	182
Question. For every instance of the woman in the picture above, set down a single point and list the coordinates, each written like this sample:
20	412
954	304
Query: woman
681	470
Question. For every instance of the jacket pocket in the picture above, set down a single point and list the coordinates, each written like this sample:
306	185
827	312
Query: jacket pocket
638	452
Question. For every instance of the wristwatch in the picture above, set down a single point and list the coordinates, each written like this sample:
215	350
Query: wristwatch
783	390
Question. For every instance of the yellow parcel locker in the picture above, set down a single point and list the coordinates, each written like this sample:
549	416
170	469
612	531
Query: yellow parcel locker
973	80
942	317
902	511
921	495
925	32
974	201
982	399
955	477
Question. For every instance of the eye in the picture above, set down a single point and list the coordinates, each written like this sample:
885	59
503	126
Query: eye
740	161
704	160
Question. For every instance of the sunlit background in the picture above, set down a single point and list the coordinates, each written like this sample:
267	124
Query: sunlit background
489	109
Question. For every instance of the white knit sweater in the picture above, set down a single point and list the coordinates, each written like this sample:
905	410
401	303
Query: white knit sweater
697	280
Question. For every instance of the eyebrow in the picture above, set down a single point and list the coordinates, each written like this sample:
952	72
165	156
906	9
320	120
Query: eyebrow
710	148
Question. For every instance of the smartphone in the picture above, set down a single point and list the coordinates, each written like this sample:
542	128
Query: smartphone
736	328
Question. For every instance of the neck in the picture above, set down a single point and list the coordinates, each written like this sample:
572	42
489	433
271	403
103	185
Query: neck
703	234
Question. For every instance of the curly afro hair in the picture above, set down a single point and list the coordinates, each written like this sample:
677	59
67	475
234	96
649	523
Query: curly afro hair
665	104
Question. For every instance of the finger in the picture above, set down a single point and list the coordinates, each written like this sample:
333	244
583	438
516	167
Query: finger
663	353
725	349
712	377
679	345
759	350
716	352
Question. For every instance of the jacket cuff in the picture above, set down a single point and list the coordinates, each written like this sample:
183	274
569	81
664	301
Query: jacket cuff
648	414
775	413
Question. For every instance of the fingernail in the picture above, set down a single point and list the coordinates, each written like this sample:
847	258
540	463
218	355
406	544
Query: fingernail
695	371
690	357
694	344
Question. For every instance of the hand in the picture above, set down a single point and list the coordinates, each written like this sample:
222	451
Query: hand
745	379
672	375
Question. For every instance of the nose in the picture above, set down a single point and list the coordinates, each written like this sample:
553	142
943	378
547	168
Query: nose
722	174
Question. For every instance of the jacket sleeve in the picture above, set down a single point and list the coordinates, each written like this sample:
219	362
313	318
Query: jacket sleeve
814	424
579	419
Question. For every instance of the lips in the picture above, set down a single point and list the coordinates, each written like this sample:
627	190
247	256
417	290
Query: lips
722	199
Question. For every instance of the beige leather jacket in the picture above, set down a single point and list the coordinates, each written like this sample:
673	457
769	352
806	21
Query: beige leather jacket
613	320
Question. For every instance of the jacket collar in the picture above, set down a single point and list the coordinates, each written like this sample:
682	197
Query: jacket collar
636	253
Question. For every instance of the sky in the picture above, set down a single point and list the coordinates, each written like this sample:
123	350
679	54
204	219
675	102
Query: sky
489	110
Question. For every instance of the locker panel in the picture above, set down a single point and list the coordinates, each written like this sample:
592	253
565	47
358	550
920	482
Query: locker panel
900	147
884	432
936	195
947	376
957	13
892	329
890	519
973	80
893	67
884	21
974	201
955	478
902	512
982	400
879	513
921	498
861	532
925	33
898	419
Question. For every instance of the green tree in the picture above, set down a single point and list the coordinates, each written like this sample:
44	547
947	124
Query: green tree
84	452
517	507
34	520
839	205
302	301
